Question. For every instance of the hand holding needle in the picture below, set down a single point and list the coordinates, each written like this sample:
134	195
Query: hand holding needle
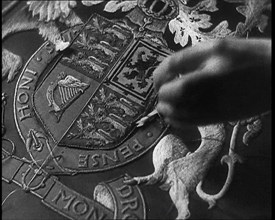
146	118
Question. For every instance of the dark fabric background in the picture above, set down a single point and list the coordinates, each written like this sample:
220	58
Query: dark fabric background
249	196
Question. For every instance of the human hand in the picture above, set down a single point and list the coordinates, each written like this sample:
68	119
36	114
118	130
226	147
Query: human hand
215	81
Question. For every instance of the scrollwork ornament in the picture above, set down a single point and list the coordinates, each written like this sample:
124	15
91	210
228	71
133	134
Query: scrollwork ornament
193	21
177	169
185	22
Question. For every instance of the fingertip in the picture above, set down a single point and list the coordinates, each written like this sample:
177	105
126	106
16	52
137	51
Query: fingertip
165	109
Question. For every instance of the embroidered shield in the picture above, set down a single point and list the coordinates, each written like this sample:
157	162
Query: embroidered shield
89	98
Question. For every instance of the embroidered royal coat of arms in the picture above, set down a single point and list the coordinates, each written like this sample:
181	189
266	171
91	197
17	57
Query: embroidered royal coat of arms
73	103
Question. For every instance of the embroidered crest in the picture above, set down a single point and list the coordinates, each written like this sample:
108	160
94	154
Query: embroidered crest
95	92
77	110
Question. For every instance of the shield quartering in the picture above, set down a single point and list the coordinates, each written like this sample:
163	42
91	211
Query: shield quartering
88	100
